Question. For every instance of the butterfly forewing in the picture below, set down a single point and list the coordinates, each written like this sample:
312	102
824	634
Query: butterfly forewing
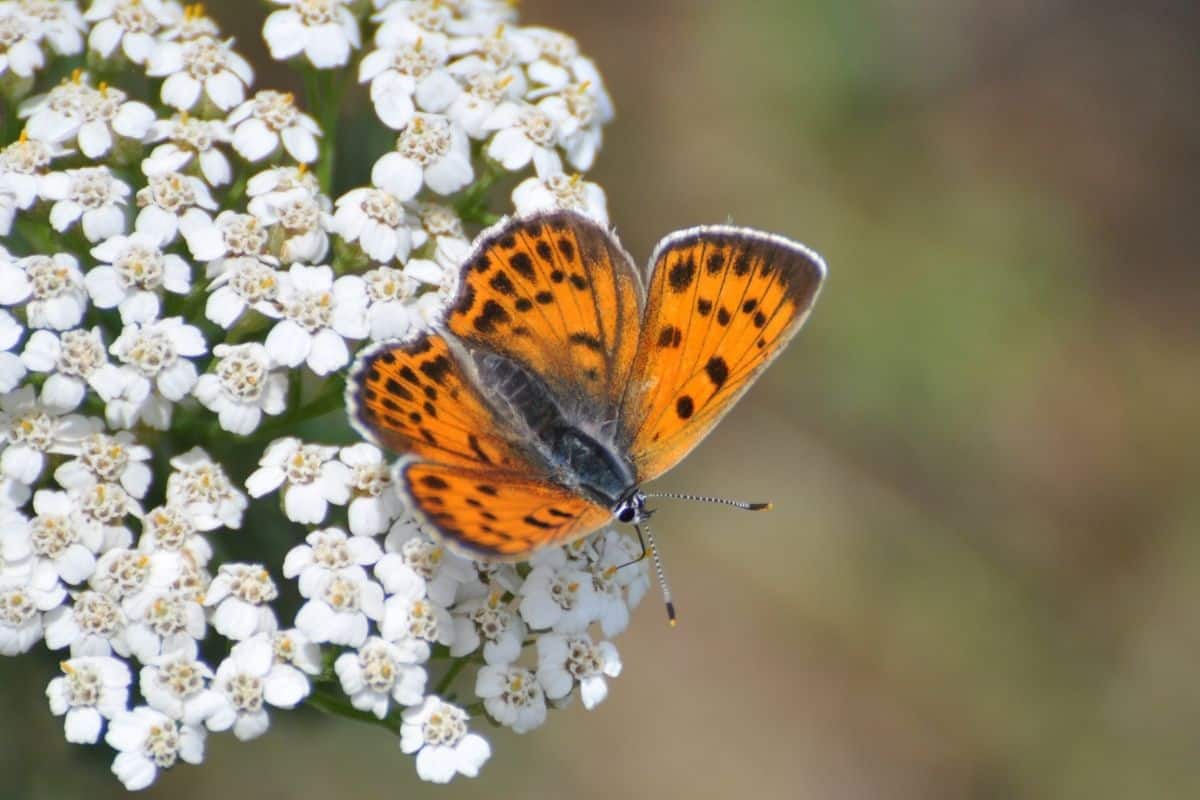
418	397
721	304
555	292
495	515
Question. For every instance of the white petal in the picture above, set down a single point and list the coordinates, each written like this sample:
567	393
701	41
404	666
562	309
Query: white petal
288	343
254	140
300	144
82	725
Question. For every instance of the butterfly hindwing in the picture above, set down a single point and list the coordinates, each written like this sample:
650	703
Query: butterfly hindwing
417	397
556	292
722	303
494	514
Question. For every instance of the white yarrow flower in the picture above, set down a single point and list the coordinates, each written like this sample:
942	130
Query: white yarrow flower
324	553
133	271
564	661
94	117
244	283
411	550
93	625
488	621
178	684
558	191
562	599
90	194
379	673
24	597
512	695
340	607
319	314
115	458
30	430
242	387
20	52
242	596
310	475
147	741
172	202
200	486
432	151
130	25
59	535
51	288
378	222
199	66
158	352
188	139
324	30
374	501
58	22
249	680
437	733
524	133
407	71
90	691
269	119
73	361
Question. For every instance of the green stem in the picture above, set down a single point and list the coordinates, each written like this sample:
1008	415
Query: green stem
472	205
448	679
327	401
325	700
324	89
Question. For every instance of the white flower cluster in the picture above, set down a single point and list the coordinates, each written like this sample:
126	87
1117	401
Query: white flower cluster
173	271
394	608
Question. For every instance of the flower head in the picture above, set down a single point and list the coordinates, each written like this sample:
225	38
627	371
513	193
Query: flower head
437	732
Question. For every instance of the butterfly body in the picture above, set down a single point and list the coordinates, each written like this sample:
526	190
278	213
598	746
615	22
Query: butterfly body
560	382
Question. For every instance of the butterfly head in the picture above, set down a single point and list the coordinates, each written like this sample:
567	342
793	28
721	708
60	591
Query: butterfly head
631	508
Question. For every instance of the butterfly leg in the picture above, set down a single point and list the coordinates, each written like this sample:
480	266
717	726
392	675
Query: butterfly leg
640	558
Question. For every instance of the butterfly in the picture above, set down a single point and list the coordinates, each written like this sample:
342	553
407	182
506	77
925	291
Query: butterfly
561	380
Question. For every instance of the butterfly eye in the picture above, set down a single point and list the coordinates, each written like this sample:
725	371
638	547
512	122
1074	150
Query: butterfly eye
626	514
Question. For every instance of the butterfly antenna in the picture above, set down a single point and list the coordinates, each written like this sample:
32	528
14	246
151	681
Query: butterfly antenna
721	501
658	568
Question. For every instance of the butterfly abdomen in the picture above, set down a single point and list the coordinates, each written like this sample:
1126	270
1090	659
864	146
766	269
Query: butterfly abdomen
574	456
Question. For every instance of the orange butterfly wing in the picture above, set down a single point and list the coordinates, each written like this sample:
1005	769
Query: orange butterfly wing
417	397
556	292
495	514
722	303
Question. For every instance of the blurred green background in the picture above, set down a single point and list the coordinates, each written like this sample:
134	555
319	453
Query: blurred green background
982	577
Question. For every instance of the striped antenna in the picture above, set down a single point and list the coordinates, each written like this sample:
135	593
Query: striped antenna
721	501
658	568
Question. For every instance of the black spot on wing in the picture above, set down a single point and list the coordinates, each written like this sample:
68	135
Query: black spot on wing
741	264
394	387
493	313
436	369
502	283
717	371
523	264
684	407
681	274
588	341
